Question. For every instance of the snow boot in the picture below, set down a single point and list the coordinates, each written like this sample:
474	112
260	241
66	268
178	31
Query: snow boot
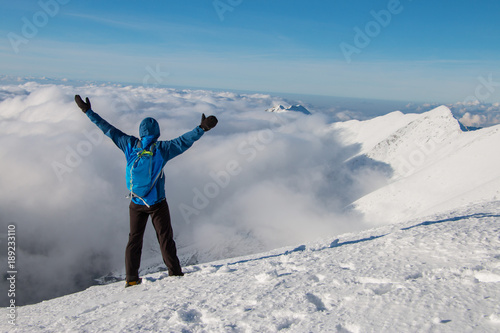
133	283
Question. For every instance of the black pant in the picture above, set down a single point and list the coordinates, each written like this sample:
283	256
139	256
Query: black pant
160	216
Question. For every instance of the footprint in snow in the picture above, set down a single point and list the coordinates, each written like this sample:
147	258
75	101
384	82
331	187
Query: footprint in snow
285	323
191	269
314	278
316	301
189	316
377	286
154	278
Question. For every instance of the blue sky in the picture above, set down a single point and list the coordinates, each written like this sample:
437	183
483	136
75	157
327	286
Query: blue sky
416	50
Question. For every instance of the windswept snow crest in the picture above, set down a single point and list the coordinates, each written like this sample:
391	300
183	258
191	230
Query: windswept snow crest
435	165
437	274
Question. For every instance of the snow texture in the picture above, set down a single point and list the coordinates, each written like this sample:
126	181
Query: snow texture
438	274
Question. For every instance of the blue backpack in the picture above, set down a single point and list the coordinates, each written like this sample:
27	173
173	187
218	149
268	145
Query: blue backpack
141	179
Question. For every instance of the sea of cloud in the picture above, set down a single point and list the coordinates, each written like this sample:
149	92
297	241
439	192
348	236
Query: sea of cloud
257	181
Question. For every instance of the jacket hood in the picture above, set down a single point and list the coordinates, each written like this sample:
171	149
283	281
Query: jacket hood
149	131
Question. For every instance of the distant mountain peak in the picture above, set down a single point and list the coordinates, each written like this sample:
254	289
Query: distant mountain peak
295	108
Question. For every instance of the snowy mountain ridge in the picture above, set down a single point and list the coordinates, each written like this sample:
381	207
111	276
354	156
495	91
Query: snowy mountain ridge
440	273
420	136
435	165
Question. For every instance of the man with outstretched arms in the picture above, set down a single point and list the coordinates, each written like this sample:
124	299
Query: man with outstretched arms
146	157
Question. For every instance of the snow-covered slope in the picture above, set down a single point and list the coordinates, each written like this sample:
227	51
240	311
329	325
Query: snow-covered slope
438	274
435	165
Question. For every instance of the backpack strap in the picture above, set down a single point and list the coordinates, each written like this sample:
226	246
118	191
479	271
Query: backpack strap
139	155
133	195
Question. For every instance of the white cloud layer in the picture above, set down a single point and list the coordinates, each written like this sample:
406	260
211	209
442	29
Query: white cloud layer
257	181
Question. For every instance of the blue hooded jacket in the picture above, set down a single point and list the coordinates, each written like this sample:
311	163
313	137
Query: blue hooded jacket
149	132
